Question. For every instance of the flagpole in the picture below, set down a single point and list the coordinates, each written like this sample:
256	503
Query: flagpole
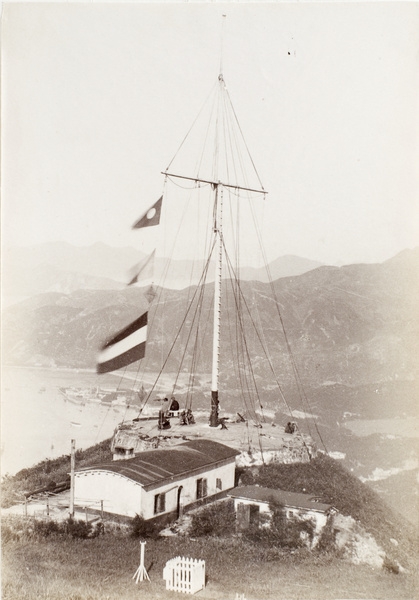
218	222
72	469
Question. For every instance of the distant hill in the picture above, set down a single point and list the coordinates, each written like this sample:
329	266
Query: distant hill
353	332
97	260
24	282
61	267
285	266
348	325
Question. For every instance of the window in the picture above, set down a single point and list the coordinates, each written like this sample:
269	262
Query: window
201	488
159	503
219	484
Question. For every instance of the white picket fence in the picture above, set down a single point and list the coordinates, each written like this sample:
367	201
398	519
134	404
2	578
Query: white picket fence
185	575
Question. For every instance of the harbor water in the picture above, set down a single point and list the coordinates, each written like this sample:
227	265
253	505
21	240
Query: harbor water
37	422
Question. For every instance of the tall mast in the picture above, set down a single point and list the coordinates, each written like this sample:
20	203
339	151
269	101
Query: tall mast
218	232
218	225
218	188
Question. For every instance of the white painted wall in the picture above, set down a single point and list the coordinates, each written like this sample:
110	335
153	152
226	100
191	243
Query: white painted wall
225	473
120	495
124	496
263	506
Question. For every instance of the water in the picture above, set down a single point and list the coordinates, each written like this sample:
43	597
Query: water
401	426
39	424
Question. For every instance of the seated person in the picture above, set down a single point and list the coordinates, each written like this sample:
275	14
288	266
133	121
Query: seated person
174	404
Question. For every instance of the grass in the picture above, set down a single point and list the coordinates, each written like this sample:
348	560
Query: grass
328	479
63	568
102	569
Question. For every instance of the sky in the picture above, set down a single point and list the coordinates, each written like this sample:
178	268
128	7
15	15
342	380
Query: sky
96	99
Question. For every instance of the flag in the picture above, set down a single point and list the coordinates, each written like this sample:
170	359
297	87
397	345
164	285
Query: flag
143	268
150	294
151	216
125	348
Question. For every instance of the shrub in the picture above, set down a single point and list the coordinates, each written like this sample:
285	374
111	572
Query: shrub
273	553
390	565
244	476
327	540
46	528
278	530
142	528
217	519
98	529
8	534
77	529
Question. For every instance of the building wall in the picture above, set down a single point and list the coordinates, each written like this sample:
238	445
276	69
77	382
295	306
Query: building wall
120	495
319	519
263	506
123	496
225	473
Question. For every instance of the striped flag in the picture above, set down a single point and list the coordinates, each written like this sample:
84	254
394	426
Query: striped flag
125	348
151	216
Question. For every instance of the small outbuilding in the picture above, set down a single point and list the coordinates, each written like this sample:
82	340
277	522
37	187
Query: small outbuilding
158	483
250	502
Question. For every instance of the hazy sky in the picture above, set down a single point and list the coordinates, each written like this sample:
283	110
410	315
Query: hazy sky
96	98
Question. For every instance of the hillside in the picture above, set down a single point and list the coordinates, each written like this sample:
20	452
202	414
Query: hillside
105	565
323	477
354	335
350	325
329	480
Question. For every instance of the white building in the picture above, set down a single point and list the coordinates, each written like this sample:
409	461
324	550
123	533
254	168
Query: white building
160	482
251	502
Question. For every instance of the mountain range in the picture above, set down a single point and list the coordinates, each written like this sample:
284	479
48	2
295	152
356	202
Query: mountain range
357	323
64	268
351	333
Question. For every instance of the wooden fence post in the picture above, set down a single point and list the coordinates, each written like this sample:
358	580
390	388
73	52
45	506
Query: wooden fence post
72	467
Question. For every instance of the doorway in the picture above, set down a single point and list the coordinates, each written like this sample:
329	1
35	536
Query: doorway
179	510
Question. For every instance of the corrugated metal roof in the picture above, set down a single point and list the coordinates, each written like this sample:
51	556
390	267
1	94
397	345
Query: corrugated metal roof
154	466
288	499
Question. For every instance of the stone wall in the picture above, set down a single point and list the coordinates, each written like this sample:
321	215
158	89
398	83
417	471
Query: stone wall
296	450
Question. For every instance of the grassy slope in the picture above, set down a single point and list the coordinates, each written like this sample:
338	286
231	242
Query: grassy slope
103	567
328	479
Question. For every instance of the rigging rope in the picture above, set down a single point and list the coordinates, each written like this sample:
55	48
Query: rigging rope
300	386
175	340
187	187
270	364
191	127
227	124
238	125
240	322
196	317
